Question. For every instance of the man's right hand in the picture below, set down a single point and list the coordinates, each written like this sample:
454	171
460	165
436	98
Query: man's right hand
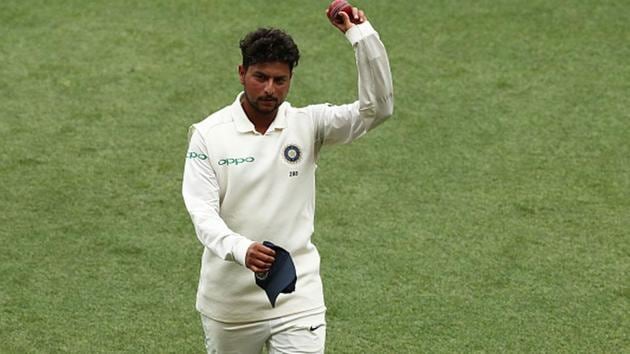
259	258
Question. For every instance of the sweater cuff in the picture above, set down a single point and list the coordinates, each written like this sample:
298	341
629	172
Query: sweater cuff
360	31
239	250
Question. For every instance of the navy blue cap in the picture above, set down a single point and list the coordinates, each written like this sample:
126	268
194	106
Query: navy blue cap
281	276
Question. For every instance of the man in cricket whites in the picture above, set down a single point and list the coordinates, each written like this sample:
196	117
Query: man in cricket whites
249	177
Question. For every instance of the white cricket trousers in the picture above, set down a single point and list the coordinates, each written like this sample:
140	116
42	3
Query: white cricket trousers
294	334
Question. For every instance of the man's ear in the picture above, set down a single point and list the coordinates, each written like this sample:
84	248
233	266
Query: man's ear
241	73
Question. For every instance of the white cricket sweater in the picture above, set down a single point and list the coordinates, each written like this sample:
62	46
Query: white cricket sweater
240	186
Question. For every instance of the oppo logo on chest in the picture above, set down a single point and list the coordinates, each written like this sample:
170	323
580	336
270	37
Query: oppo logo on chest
235	161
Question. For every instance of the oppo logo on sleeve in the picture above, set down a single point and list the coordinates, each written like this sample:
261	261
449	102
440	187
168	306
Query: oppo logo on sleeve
191	155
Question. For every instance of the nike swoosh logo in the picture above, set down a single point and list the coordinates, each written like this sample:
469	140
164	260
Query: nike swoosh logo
314	328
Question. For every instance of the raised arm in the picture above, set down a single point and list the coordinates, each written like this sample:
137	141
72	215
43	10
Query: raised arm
344	123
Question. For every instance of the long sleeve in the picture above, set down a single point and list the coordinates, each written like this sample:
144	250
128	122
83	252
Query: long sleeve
344	123
200	191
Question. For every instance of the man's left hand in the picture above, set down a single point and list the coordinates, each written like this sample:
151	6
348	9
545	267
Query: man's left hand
357	15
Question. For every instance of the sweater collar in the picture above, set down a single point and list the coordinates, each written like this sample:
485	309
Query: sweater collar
244	125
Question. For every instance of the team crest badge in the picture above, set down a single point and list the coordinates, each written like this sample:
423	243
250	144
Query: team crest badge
292	154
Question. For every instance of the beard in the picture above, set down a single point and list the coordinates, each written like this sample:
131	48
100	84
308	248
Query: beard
263	104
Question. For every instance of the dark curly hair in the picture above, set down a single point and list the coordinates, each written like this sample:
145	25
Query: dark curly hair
268	45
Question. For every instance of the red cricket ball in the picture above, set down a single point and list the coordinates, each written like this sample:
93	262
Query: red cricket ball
336	7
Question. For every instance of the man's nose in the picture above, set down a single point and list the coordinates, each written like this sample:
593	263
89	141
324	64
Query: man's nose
269	87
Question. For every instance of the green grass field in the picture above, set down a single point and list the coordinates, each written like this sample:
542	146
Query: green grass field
490	214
